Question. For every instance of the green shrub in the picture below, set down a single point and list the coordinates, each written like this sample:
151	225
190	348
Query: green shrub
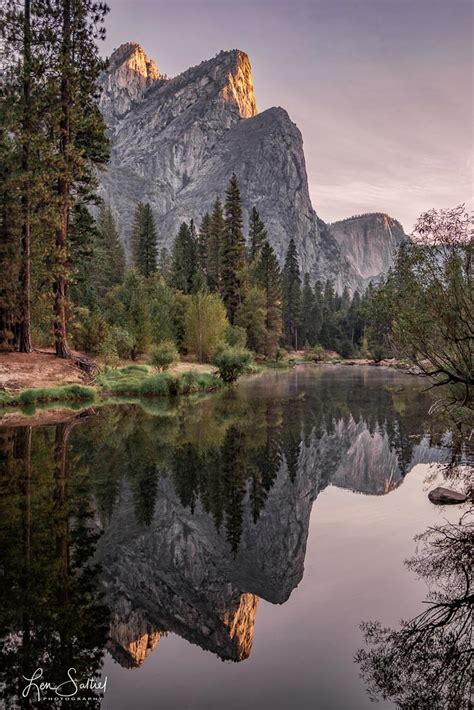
236	336
160	385
316	353
232	362
122	341
164	355
345	348
91	332
378	352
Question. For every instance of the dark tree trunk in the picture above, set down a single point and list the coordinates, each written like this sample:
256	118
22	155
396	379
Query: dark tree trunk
61	282
24	326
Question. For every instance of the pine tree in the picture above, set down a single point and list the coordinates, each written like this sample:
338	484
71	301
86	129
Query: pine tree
9	238
144	241
184	259
108	266
27	154
77	126
233	250
328	333
317	313
268	277
291	297
251	315
355	319
165	265
257	234
307	313
131	310
216	238
203	245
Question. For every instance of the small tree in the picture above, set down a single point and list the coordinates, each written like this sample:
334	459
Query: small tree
232	363
205	324
425	307
164	355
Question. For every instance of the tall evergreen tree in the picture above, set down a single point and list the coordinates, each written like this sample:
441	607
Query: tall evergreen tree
185	259
144	241
203	245
307	313
268	277
77	126
233	250
216	238
108	266
165	265
257	234
27	65
317	312
291	297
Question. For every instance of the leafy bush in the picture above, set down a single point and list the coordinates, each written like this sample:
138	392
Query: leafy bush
235	336
164	355
378	352
232	363
316	353
191	382
345	348
122	341
160	385
91	332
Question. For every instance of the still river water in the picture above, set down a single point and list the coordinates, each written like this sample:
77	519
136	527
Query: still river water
217	552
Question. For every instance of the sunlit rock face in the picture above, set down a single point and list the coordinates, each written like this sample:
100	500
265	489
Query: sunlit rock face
176	142
171	575
130	74
369	243
132	637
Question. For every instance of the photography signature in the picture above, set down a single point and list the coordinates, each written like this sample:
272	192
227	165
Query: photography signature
67	689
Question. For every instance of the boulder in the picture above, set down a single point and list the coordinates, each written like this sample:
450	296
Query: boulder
445	496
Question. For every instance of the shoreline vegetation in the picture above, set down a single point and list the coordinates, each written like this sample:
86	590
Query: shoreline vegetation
58	386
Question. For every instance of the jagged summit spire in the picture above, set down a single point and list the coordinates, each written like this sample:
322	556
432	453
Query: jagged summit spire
132	54
129	75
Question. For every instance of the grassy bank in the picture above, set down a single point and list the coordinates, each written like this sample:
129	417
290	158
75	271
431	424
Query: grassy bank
131	381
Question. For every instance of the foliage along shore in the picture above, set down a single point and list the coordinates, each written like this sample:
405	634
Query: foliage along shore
131	381
141	381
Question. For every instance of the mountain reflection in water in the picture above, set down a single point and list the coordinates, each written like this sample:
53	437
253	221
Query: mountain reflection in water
124	523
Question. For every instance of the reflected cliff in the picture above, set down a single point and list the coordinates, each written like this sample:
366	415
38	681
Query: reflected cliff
130	522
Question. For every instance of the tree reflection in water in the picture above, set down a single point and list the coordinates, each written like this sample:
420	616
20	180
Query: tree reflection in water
427	663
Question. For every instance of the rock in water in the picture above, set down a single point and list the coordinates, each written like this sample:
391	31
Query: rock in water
445	496
175	143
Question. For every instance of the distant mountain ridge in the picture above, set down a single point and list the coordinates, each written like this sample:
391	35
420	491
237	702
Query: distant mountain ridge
175	143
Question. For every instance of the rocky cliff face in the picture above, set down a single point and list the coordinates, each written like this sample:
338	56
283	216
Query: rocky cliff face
175	143
369	243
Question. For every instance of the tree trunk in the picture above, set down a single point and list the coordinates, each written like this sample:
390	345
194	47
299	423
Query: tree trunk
24	334
61	283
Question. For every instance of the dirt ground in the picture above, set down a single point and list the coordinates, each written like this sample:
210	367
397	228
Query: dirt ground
19	371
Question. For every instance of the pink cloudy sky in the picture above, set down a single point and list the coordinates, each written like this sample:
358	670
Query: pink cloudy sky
382	90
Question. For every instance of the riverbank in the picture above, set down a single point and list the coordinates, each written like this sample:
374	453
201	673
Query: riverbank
39	378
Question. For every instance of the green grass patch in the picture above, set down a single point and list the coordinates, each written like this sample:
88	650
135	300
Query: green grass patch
48	394
125	380
55	394
279	364
136	381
